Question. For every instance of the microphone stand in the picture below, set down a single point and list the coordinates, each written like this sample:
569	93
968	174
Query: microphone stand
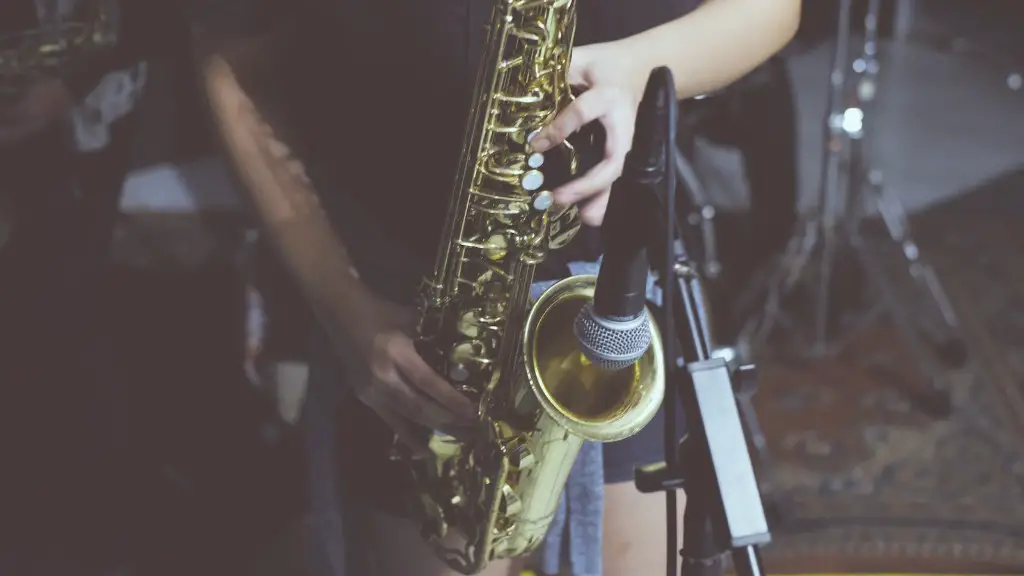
724	512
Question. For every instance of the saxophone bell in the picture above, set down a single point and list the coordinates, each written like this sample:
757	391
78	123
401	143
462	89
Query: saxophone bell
590	401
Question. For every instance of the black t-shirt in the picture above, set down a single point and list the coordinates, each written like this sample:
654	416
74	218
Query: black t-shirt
381	90
396	91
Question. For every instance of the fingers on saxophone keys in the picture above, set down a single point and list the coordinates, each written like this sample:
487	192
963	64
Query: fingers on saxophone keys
423	378
597	181
406	432
585	109
405	399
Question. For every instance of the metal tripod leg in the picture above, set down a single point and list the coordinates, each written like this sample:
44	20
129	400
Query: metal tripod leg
896	224
703	215
808	245
933	399
892	213
834	231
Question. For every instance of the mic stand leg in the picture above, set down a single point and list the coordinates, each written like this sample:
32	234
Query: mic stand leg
724	512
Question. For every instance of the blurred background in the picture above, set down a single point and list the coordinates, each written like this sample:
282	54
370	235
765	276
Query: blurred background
900	450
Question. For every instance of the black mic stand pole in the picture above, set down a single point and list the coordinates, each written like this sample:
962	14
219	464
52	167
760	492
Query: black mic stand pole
724	512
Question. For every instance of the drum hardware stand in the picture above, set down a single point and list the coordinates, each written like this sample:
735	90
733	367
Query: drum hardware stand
702	216
833	231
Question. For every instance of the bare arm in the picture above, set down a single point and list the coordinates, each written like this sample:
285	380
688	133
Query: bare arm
281	193
717	43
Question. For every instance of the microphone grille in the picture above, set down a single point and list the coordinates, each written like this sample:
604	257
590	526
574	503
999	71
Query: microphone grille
612	344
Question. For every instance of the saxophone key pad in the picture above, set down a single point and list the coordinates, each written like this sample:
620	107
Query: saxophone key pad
532	180
460	359
535	160
459	373
543	200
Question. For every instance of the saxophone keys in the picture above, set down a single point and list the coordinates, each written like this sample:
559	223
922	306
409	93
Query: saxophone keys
532	180
520	457
433	529
460	358
512	505
459	373
496	247
543	200
469	325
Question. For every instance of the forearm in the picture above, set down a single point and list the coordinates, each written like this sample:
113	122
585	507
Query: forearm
717	43
284	201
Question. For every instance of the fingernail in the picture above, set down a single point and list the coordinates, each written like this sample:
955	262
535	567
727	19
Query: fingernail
538	143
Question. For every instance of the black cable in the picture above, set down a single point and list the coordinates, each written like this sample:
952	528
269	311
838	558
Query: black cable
670	341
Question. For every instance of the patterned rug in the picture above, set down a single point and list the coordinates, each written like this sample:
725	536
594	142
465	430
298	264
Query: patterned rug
863	481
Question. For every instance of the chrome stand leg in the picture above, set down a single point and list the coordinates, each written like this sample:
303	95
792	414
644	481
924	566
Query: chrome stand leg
831	237
702	216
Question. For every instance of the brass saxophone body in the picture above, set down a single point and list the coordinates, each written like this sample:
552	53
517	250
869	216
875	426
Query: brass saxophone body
59	45
495	491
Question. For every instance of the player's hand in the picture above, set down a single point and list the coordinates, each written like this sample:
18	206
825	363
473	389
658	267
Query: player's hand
396	382
612	89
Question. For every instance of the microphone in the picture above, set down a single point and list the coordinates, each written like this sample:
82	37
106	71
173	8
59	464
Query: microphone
614	330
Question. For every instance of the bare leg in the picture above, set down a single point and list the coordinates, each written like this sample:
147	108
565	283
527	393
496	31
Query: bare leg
634	530
398	550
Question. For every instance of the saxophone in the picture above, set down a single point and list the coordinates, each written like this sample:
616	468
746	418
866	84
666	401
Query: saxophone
494	491
60	45
56	48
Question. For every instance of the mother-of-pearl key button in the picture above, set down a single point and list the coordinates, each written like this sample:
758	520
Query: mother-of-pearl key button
543	200
535	160
532	180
